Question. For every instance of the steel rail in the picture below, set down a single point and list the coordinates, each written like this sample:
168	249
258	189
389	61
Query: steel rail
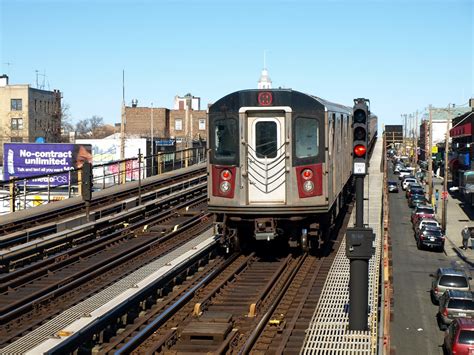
62	286
264	319
94	229
137	339
76	205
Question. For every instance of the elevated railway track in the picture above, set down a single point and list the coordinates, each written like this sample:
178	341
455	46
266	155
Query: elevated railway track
54	217
21	248
35	293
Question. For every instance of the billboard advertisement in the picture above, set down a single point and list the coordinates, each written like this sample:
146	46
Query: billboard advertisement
108	150
22	160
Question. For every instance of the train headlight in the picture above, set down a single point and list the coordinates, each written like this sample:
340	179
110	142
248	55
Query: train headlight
225	187
226	175
307	174
308	186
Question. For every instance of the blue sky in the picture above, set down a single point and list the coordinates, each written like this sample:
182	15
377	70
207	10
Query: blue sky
402	55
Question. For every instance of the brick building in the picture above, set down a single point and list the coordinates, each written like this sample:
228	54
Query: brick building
462	143
185	124
28	114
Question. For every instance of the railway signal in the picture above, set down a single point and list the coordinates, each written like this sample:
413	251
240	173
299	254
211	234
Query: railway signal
359	239
360	128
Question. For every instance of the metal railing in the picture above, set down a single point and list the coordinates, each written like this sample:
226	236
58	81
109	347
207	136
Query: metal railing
22	193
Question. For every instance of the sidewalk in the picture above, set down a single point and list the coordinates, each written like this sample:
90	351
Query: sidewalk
457	218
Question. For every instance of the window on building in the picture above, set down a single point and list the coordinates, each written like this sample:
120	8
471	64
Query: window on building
202	124
178	124
16	105
17	123
16	139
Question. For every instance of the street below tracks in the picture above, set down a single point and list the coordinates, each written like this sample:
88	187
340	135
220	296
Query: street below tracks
414	328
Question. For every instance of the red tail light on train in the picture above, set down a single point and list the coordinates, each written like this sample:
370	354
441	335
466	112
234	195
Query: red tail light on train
223	181
310	180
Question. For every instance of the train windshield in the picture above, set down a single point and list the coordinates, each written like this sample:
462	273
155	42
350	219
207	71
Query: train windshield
226	138
306	137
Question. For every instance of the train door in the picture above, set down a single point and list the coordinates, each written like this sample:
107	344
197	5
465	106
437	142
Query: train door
266	160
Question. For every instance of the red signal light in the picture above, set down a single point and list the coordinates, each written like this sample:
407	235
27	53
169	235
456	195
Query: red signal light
307	174
360	150
226	175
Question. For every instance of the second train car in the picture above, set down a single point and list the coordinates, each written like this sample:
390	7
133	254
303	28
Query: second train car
280	165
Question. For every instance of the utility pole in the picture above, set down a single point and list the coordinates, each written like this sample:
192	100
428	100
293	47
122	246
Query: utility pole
186	123
151	141
430	158
410	134
122	176
405	135
446	170
122	124
416	139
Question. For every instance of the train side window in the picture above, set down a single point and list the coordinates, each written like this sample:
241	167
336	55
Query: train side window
226	138
306	137
266	139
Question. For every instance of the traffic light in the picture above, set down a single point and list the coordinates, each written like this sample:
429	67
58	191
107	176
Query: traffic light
87	182
360	128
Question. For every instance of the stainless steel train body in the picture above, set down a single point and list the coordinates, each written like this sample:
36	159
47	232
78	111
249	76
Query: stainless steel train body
280	163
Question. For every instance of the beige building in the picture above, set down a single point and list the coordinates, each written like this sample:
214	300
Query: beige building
28	114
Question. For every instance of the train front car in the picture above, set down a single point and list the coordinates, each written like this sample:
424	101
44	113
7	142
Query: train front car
279	165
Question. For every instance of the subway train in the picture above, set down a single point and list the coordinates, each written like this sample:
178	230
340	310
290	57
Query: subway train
280	166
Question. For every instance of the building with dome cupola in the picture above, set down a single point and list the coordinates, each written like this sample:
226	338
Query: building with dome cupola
264	82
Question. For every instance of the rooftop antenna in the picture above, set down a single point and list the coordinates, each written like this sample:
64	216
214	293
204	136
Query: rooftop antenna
8	64
44	79
264	59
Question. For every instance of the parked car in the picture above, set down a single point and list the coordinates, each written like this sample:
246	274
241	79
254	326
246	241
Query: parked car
432	238
414	189
422	211
407	181
454	304
397	167
448	278
426	222
459	338
404	173
417	200
392	186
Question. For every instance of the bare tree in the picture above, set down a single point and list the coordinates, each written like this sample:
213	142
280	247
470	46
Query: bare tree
93	127
66	125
